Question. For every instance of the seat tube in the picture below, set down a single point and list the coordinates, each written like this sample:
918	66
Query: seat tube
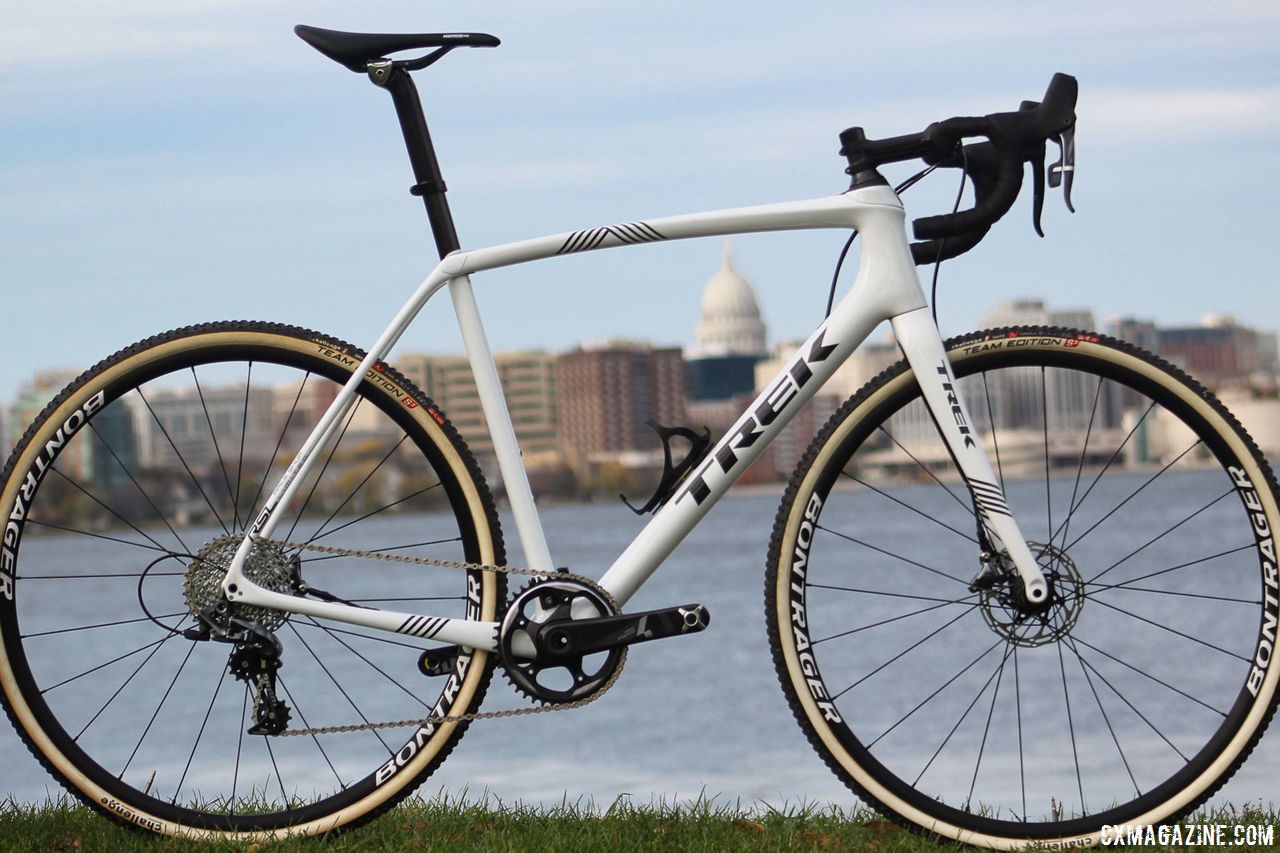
494	405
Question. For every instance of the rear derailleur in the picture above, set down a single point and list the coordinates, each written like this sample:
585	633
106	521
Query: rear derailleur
255	660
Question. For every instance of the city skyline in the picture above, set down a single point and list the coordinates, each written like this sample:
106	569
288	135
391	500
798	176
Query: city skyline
180	163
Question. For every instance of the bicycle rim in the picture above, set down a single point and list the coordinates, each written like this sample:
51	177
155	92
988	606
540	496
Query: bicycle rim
972	714
119	490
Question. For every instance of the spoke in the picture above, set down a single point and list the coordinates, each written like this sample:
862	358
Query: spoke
91	670
332	630
159	513
1148	675
1149	575
1172	630
371	664
910	562
119	689
195	481
369	515
244	429
341	689
199	735
1044	417
328	459
1132	495
890	594
101	625
884	622
910	508
968	505
358	487
1022	766
303	717
101	576
1096	698
956	727
1134	708
222	465
1097	478
279	443
991	712
1071	727
156	713
991	420
235	776
931	696
96	500
907	651
1084	454
1156	538
284	797
1101	587
102	536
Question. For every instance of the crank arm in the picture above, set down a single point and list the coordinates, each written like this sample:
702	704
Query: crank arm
564	638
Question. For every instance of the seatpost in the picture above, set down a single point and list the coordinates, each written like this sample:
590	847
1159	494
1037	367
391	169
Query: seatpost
422	154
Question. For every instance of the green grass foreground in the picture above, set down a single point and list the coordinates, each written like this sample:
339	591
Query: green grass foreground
457	825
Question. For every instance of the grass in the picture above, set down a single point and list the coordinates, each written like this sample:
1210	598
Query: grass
459	825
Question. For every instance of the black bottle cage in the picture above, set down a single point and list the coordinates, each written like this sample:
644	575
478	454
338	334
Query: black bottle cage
673	474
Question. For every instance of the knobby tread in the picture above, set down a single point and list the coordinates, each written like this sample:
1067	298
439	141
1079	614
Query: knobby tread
803	467
446	426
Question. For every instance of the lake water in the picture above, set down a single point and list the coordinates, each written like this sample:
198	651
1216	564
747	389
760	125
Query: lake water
696	716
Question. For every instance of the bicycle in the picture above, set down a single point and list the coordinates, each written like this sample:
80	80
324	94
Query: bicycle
168	549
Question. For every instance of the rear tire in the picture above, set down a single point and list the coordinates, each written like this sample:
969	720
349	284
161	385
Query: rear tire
971	714
135	468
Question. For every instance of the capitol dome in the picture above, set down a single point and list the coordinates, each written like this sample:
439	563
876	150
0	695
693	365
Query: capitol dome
730	321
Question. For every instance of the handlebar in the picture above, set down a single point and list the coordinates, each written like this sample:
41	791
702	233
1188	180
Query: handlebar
995	166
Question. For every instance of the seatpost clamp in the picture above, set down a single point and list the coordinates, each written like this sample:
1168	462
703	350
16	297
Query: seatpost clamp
380	71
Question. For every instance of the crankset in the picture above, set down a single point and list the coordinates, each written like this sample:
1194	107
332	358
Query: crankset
562	640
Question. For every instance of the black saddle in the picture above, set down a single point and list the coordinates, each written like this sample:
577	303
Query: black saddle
357	50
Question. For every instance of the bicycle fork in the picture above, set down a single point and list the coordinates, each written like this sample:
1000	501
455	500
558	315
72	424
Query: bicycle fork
922	345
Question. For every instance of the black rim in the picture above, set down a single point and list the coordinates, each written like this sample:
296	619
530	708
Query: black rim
179	454
975	709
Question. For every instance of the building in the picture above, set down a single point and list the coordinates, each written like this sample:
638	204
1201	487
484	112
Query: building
528	381
608	391
730	337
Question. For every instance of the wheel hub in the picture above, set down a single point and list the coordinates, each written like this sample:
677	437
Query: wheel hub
1011	615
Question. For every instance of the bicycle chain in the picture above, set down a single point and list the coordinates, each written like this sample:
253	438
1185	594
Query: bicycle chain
449	564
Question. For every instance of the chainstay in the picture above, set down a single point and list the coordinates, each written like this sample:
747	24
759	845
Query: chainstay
437	719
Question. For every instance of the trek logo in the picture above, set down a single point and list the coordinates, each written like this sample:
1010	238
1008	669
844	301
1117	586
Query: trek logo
751	426
948	385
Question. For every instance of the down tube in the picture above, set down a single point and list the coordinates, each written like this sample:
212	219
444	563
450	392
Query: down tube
806	371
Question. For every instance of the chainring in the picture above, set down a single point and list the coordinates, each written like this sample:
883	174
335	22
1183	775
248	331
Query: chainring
570	679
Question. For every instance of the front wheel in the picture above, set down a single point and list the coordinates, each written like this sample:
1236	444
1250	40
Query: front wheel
962	709
125	501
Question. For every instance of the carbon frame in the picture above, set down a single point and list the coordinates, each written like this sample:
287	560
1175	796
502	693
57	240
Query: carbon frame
886	288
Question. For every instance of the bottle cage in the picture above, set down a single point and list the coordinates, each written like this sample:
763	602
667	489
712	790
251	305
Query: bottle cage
673	474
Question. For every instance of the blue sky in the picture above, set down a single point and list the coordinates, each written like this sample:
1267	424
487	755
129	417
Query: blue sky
167	163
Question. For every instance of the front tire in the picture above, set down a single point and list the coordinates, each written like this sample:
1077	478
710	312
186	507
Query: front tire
969	713
115	499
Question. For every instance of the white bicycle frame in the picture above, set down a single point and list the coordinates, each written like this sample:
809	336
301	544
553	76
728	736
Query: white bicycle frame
886	288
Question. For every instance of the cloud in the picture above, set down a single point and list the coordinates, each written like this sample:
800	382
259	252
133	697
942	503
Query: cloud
1180	116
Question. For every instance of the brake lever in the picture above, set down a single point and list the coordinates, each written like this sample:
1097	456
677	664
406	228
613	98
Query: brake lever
1036	159
1037	187
1063	172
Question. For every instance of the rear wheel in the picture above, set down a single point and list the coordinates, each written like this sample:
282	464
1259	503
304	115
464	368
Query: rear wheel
125	499
961	708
